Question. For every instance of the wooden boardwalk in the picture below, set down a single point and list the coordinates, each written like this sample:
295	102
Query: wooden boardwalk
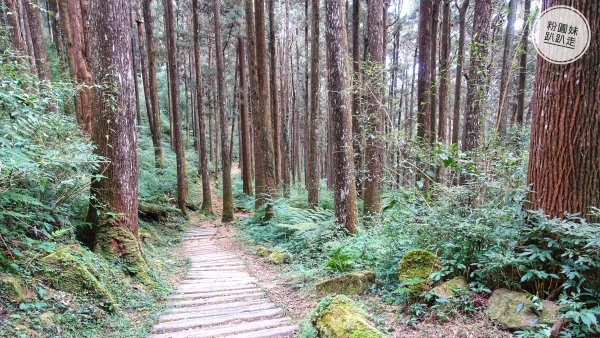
219	298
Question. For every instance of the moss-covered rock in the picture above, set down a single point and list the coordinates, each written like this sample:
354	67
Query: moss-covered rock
352	283
417	264
71	268
338	316
280	256
513	310
13	289
155	212
262	251
114	242
448	288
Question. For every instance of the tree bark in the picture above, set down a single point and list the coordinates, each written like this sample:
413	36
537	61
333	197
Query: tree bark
459	73
344	192
507	56
37	37
356	113
523	64
313	123
13	21
564	174
373	103
244	121
201	136
424	71
174	98
433	55
114	201
275	105
264	164
444	74
477	81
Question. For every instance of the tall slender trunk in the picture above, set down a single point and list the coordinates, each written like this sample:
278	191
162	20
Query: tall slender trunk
444	73
13	21
313	124
433	55
356	113
264	165
24	20
344	192
244	121
564	151
373	101
37	37
275	105
136	88
424	71
507	57
174	99
523	64
459	67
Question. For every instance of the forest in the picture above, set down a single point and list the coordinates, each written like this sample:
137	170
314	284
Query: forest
299	168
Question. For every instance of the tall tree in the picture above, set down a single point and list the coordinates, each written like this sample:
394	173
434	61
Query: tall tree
424	79
435	14
114	201
507	57
356	122
477	80
460	57
13	21
275	105
344	191
564	174
444	73
153	85
523	63
264	163
201	136
373	103
312	179
244	121
225	158
73	24
174	98
37	37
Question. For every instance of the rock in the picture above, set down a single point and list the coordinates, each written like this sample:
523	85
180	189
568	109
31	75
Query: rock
280	256
12	289
72	269
417	264
262	251
512	310
352	283
155	212
446	289
338	316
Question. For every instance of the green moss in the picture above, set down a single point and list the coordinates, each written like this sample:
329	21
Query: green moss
512	310
280	256
119	243
338	316
72	269
417	264
12	289
352	283
447	289
262	251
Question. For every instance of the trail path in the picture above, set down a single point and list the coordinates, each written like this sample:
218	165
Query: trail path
218	297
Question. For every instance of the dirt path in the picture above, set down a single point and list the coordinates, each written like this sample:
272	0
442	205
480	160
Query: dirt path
219	298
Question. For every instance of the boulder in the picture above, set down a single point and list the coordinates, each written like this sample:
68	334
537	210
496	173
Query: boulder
352	283
280	256
513	311
338	316
417	264
71	269
448	288
12	289
262	251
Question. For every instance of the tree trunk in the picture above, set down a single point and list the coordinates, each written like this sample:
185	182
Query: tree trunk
424	71
433	55
138	112
37	37
23	18
275	108
13	21
459	66
114	201
564	174
203	161
356	120
444	73
344	192
507	56
244	121
264	165
373	101
313	123
523	64
73	23
477	81
174	98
